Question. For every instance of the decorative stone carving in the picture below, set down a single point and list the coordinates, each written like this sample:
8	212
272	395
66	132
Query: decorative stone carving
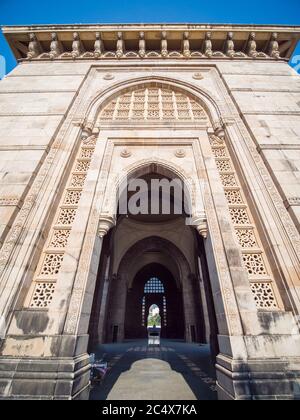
220	152
229	45
154	104
186	45
273	48
98	46
239	216
109	76
51	259
233	196
207	46
125	153
264	295
292	201
120	46
72	197
105	224
180	153
228	180
60	238
216	141
266	40
77	47
224	165
34	47
66	216
56	48
90	141
251	46
252	255
142	45
198	76
164	45
82	166
51	265
10	201
42	295
246	238
202	229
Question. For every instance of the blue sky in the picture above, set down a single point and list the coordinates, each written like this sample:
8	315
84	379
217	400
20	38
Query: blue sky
20	12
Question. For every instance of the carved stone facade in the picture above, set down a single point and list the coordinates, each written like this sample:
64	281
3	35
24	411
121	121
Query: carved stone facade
88	107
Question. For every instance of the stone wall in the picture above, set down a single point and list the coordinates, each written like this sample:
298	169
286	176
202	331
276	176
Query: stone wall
267	96
34	99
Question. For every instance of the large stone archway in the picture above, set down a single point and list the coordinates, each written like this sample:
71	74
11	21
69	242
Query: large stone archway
153	247
49	311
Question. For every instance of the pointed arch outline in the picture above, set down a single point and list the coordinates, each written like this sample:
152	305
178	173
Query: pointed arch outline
147	244
211	105
155	165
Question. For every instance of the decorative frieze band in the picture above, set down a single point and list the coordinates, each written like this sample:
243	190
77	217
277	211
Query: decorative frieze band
148	41
9	201
207	48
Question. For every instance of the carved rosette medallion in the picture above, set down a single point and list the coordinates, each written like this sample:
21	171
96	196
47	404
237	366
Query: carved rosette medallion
125	153
198	76
108	76
180	153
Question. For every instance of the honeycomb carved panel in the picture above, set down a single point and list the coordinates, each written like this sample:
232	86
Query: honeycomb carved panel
82	166
264	295
53	253
51	264
60	238
66	216
239	216
220	152
254	264
72	197
252	254
42	295
86	153
223	165
78	180
228	180
233	197
246	238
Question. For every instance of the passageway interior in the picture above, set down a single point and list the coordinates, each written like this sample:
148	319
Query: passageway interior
154	260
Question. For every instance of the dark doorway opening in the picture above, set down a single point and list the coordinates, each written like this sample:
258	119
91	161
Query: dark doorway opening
154	285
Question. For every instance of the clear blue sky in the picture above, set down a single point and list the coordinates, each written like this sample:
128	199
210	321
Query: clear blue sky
21	12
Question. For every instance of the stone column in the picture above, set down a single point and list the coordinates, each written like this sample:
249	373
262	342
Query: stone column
118	305
104	302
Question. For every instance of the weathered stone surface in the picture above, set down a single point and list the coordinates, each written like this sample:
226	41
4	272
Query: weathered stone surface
71	128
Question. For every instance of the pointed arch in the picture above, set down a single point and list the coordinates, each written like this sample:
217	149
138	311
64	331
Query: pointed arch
154	165
212	105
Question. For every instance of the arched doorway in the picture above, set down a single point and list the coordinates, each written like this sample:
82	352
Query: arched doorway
154	285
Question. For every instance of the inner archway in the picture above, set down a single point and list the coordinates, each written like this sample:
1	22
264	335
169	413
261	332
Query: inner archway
154	285
160	247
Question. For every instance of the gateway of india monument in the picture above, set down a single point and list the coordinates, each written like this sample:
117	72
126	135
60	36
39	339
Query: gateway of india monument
92	108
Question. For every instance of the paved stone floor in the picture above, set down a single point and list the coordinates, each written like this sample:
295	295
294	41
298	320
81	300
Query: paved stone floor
173	371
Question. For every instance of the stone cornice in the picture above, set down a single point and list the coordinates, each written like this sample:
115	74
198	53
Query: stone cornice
175	41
